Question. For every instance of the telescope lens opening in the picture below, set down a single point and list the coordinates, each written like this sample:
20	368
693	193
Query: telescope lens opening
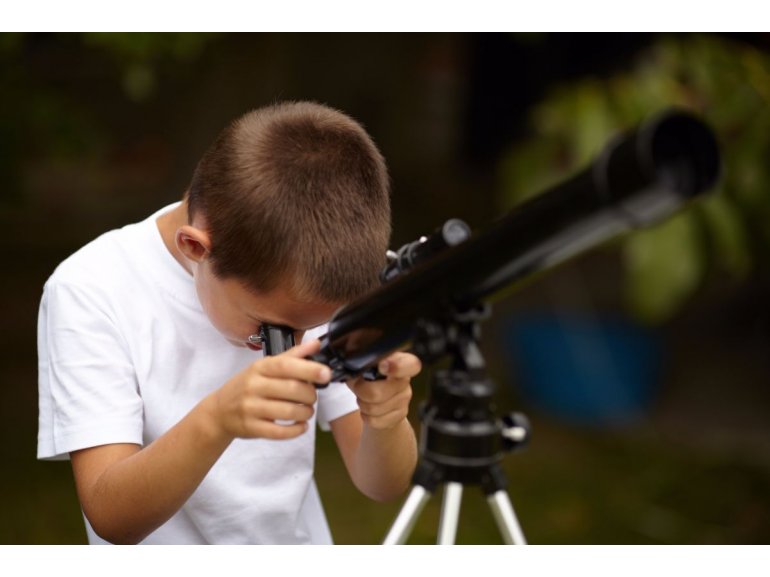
685	152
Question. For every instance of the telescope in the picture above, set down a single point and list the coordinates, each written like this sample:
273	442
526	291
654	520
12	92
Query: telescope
435	292
637	180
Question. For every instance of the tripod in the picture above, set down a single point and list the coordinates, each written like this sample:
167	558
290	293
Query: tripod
461	442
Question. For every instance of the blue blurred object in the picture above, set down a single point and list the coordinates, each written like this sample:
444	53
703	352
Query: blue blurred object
591	371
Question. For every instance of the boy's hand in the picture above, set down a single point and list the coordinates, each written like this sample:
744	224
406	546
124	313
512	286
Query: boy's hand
272	388
385	403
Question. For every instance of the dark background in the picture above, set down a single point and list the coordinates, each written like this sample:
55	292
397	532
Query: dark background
100	130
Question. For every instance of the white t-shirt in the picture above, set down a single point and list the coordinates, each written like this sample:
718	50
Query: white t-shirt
126	351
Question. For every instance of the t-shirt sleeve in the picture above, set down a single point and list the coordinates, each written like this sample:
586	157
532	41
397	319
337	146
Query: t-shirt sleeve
87	386
334	401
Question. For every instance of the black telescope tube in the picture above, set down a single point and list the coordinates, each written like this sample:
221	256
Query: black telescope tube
638	179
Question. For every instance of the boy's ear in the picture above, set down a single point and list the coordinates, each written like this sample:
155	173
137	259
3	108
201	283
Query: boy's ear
193	242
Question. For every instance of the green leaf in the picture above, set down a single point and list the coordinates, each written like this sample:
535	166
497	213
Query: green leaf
139	82
663	266
529	170
727	234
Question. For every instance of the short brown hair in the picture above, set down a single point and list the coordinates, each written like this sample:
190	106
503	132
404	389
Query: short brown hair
295	192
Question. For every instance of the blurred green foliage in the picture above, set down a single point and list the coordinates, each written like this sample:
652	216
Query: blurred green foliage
138	53
726	82
46	120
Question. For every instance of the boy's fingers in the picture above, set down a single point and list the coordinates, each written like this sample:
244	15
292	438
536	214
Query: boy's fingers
290	367
289	390
302	350
400	366
270	430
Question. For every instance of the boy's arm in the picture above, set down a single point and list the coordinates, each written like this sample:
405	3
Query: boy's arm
377	442
380	463
127	492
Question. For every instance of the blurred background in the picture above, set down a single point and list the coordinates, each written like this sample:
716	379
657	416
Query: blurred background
643	365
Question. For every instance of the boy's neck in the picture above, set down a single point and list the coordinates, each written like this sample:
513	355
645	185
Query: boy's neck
168	224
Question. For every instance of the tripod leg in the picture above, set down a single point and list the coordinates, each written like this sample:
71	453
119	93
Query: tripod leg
407	517
502	509
450	512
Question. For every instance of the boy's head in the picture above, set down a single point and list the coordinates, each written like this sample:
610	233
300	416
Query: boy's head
294	204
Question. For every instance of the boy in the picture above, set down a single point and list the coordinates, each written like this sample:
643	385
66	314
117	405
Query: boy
177	429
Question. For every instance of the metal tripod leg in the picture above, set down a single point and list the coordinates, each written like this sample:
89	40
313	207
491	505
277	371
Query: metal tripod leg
499	503
502	510
450	513
407	517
